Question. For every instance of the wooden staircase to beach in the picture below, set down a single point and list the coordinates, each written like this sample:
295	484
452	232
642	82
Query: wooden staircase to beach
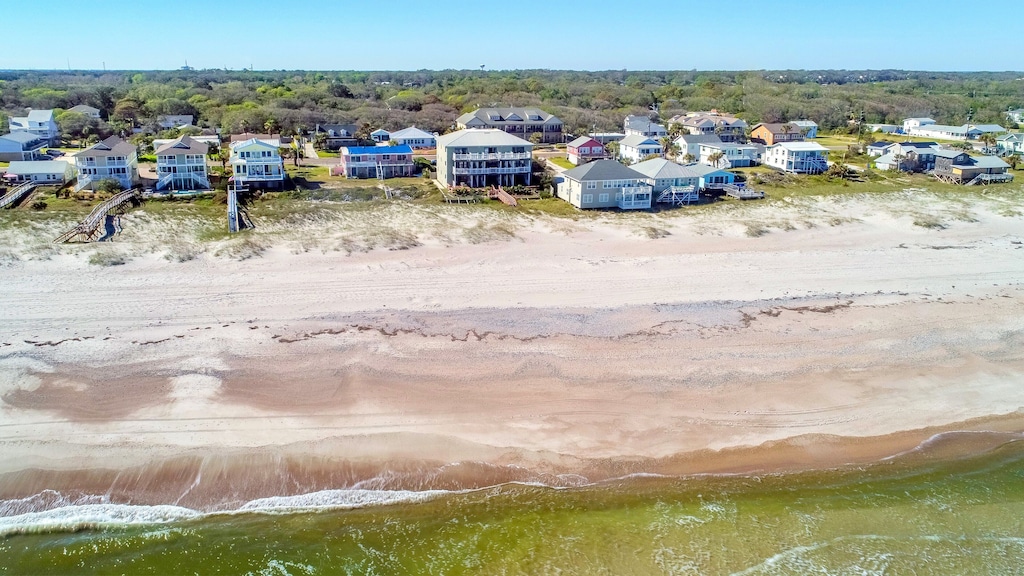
12	197
92	225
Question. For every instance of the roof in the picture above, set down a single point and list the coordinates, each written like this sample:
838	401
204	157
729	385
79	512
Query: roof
184	145
920	119
880	144
502	116
401	149
112	146
989	127
40	115
776	127
947	153
481	137
988	162
581	141
889	158
801	146
23	137
918	144
634	140
410	133
700	139
803	123
340	130
642	123
602	170
249	136
26	167
1015	136
84	109
252	142
379	131
660	168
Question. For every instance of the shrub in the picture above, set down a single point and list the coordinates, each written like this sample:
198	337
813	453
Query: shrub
39	205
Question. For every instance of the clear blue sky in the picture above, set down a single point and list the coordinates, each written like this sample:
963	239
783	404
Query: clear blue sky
511	34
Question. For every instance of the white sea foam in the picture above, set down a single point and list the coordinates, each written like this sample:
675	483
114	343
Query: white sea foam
72	518
339	499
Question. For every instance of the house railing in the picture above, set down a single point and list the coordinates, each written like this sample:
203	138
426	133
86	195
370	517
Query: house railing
14	195
492	156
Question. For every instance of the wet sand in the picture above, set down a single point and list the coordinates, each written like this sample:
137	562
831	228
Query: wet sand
558	357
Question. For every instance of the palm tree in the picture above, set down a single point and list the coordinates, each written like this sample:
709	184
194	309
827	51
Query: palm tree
716	158
669	146
988	139
270	126
786	129
688	158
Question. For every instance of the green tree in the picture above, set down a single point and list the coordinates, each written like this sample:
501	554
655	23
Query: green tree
109	186
689	158
271	126
716	159
536	137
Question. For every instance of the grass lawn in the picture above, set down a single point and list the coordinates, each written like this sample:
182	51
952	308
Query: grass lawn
561	162
327	153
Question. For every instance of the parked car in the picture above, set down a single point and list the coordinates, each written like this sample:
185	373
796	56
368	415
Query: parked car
54	153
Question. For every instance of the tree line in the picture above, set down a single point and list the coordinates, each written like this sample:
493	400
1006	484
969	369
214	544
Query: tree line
237	101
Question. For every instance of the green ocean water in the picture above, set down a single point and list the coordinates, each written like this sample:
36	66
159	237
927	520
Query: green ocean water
960	516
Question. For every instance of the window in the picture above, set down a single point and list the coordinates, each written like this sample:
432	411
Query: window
603	197
591	185
588	198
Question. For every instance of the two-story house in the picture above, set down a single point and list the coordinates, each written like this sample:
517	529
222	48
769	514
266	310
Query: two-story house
38	122
911	123
375	161
111	159
727	154
1015	116
521	122
483	157
727	128
22	146
585	149
256	164
337	135
605	184
797	157
667	176
689	145
908	157
181	165
809	128
773	133
958	167
636	148
1010	143
643	126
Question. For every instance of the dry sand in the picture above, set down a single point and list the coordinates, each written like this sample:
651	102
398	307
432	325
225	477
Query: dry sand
783	335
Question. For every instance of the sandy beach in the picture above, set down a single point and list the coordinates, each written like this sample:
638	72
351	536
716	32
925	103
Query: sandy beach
783	335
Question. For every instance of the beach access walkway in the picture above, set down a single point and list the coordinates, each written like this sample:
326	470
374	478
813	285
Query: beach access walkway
93	224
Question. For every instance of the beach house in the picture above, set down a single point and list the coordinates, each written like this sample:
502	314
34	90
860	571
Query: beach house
256	164
111	159
605	184
770	134
414	138
957	167
728	128
689	144
375	161
1010	143
55	172
181	165
483	157
22	146
86	110
636	148
727	154
520	122
38	122
809	128
337	135
584	149
797	157
643	126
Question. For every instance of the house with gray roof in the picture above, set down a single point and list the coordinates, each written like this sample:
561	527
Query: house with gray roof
22	146
727	128
521	122
112	158
38	122
483	157
809	128
664	175
689	144
605	184
181	165
958	167
169	121
337	135
643	126
1015	116
1012	143
55	172
86	110
414	138
636	147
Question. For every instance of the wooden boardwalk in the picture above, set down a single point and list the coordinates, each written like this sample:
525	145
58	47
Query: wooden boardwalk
505	198
18	193
93	223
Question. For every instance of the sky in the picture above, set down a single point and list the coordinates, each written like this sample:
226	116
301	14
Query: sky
940	35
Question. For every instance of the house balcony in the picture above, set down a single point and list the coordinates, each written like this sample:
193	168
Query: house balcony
374	164
635	198
493	156
514	170
259	177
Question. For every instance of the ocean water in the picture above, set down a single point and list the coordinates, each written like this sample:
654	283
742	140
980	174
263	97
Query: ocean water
909	515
